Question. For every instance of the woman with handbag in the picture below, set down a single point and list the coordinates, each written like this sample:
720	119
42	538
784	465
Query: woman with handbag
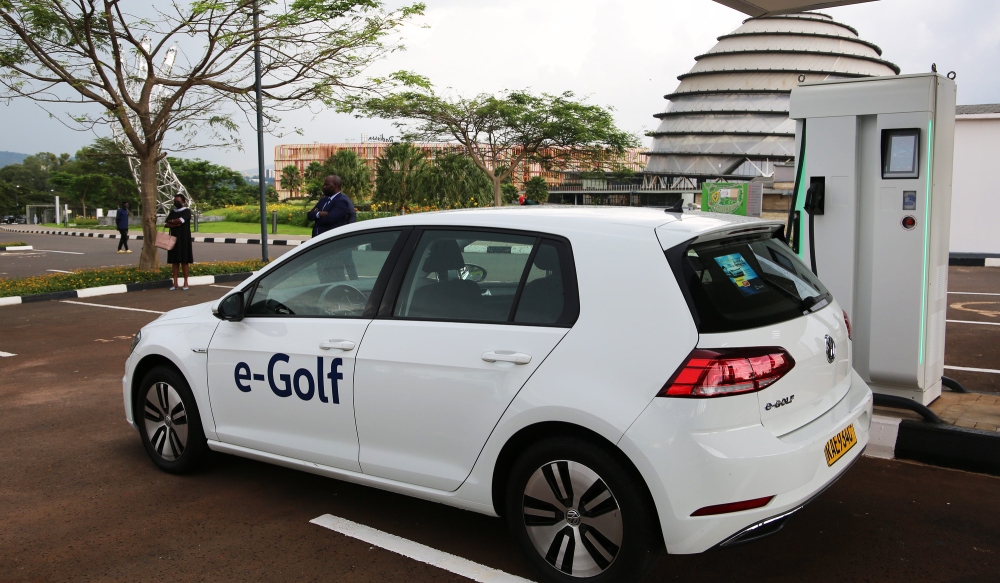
181	255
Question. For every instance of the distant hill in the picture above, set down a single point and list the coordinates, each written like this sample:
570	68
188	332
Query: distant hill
8	158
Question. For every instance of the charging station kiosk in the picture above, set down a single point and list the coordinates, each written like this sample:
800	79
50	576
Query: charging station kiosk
871	214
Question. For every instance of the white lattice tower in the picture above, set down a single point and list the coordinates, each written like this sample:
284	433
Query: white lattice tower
167	183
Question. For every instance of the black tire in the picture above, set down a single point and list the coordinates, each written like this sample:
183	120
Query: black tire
626	512
175	441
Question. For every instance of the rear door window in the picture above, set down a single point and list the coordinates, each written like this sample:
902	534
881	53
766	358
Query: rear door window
738	283
489	277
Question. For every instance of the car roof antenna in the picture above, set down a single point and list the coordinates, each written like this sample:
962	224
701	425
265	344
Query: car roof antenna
675	207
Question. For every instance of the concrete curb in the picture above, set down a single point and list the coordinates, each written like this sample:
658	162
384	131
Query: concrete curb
230	240
974	259
121	288
17	248
949	446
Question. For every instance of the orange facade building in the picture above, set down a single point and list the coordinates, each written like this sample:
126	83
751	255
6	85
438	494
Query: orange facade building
301	155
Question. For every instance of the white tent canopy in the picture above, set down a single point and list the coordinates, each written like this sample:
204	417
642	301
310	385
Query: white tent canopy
768	7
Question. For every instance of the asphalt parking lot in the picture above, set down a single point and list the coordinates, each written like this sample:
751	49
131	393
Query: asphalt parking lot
79	499
972	337
54	253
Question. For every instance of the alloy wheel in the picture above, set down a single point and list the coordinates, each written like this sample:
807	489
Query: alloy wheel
572	518
166	421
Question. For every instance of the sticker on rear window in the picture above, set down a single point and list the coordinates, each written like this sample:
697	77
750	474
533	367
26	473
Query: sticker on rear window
741	274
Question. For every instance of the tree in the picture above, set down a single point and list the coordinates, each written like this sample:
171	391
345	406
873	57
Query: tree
508	192
354	174
32	174
94	52
106	158
9	203
455	181
536	189
314	176
401	174
212	185
502	131
291	179
79	186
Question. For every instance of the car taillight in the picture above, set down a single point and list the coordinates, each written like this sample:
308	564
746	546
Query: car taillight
727	371
850	335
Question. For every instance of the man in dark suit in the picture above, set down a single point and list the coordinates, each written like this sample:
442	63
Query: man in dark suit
334	210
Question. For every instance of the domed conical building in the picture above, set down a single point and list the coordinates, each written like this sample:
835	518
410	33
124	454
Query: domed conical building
728	118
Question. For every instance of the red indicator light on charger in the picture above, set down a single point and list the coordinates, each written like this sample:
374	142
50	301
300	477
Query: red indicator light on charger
908	222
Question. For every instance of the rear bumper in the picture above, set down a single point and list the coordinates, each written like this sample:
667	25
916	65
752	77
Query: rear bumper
769	526
688	466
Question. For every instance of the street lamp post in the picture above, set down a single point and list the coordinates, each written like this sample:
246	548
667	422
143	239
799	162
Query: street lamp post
260	134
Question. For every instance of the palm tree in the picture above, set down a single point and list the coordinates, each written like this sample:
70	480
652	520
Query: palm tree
356	178
457	182
291	179
401	175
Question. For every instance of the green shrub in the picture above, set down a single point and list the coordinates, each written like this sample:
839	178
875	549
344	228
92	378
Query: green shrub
288	214
85	278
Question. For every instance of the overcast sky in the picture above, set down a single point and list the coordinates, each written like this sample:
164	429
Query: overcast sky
624	54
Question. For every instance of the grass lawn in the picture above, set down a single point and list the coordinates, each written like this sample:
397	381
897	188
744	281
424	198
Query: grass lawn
250	228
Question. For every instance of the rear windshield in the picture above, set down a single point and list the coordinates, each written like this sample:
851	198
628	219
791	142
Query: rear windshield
745	282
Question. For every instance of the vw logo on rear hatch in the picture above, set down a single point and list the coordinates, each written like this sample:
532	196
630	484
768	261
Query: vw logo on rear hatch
831	349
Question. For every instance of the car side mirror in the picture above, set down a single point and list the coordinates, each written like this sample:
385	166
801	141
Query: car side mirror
474	273
230	308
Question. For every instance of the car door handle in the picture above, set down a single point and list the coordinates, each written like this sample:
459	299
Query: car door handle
507	356
344	345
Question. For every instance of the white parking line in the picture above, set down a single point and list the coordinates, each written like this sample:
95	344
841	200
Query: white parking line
966	368
58	271
6	354
69	252
973	322
417	551
974	293
112	307
223	286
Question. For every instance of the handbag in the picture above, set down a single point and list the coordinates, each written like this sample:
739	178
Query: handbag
165	240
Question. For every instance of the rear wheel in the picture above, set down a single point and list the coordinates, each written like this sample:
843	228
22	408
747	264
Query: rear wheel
579	514
168	420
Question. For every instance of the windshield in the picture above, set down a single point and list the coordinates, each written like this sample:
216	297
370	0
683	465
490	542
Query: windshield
745	282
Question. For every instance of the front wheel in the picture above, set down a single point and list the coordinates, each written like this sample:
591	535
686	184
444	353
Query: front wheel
168	420
579	514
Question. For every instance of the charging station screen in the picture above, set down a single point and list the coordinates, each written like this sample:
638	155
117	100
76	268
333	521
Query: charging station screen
901	153
741	274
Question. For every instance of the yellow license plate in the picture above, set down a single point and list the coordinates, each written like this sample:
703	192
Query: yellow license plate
840	444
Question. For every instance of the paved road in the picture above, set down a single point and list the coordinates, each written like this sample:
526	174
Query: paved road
59	252
79	499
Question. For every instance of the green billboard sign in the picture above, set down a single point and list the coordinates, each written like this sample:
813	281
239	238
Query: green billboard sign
730	198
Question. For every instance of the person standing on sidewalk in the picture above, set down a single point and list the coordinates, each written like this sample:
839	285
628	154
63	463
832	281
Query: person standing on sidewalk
334	210
121	222
182	255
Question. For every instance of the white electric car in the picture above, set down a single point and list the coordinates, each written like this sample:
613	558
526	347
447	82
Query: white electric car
609	381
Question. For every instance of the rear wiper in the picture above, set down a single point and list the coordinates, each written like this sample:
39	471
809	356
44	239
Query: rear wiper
813	301
805	304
